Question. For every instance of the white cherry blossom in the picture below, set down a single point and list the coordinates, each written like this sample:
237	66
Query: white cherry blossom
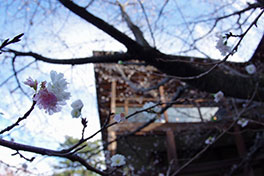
242	122
209	140
251	69
58	86
78	104
222	46
218	96
118	160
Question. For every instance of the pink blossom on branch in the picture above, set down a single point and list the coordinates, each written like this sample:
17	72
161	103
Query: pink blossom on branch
52	96
221	45
47	100
58	86
31	83
119	117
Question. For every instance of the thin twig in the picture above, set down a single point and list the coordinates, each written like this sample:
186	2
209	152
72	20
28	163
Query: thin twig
225	58
19	119
218	137
148	23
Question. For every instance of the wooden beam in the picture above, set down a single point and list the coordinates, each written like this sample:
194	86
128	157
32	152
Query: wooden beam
163	127
187	102
163	100
113	96
171	144
111	132
126	106
113	145
131	104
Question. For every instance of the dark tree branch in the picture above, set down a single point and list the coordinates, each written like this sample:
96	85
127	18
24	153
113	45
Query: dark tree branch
8	42
148	23
22	156
16	77
130	44
215	80
76	61
238	115
135	29
177	94
161	11
209	79
11	76
44	151
238	13
204	77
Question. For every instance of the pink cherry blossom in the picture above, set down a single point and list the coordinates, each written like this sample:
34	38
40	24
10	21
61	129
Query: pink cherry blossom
47	100
119	117
50	96
31	83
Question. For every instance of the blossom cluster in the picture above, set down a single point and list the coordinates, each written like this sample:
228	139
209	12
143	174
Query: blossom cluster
76	108
218	96
118	160
51	96
119	117
210	140
251	69
221	45
242	122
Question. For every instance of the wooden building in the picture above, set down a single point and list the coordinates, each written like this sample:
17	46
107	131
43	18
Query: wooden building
179	133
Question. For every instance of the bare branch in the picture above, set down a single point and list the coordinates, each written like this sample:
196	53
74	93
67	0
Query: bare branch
44	151
76	61
219	136
19	119
8	42
135	29
130	44
18	71
17	80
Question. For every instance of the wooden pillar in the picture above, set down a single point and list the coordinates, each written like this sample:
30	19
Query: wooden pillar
171	149
242	151
113	96
171	144
113	145
126	106
111	132
163	100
